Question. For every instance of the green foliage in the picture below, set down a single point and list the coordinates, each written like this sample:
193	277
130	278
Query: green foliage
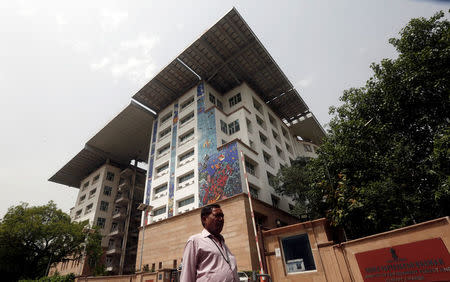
34	238
385	161
55	278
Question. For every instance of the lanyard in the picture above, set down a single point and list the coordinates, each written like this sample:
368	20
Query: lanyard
227	258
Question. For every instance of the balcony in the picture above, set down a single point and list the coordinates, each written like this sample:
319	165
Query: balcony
119	214
114	250
122	199
124	186
116	232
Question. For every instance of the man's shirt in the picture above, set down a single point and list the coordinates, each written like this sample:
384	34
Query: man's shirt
206	260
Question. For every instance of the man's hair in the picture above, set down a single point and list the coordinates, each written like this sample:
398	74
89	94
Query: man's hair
207	210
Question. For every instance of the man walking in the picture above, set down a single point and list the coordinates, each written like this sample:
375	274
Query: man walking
206	257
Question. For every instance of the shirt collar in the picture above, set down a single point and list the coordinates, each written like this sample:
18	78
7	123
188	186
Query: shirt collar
205	233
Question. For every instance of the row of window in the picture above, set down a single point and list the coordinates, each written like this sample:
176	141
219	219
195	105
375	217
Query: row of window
109	177
184	157
180	204
186	103
107	190
182	181
272	120
189	135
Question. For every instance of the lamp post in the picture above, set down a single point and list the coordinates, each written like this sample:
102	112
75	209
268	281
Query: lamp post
87	231
145	208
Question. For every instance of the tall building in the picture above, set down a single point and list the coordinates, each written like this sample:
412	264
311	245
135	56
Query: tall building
223	106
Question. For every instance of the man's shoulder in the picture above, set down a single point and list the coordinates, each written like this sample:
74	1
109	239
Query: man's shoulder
196	237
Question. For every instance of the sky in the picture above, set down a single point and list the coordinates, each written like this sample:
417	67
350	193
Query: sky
68	67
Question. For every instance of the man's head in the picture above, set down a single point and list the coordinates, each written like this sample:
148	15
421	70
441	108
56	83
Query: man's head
212	218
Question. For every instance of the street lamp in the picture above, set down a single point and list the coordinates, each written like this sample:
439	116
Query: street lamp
145	208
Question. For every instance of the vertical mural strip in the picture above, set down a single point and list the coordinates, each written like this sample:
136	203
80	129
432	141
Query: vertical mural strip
218	170
150	165
173	153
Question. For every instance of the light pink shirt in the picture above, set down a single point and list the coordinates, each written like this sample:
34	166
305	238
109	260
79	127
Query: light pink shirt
202	260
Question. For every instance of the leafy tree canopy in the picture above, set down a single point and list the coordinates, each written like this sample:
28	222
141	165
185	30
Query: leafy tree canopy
385	161
33	238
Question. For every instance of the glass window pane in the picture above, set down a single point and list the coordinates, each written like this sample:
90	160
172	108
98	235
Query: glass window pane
297	253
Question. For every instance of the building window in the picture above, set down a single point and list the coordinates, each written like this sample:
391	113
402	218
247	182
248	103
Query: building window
104	206
252	144
223	127
260	122
186	177
291	207
92	193
272	120
250	168
85	185
264	139
162	168
186	202
235	99
187	118
109	176
233	127
165	132
279	152
249	125
212	98
284	131
95	178
297	254
288	147
224	142
78	214
88	208
187	102
159	211
219	104
307	147
160	265
187	155
275	201
257	106
254	192
101	222
275	136
271	179
187	136
161	188
166	117
267	158
82	198
164	149
107	190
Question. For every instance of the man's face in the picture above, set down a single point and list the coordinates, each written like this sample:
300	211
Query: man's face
214	221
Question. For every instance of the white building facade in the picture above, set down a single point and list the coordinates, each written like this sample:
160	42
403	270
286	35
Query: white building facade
195	150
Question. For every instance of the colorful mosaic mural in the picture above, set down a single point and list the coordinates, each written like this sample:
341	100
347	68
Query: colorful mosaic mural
150	166
218	170
173	153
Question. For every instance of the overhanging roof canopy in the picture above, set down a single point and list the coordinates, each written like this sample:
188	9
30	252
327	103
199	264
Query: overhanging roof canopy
124	138
308	128
226	55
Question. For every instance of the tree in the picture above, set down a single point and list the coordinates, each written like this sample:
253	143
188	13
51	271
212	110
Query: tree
385	162
33	238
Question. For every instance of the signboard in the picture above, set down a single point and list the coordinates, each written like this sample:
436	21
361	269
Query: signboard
427	260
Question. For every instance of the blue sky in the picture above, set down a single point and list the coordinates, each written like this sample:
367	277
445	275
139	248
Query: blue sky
68	67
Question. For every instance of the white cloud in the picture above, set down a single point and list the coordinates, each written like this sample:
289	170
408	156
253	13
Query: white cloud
305	82
61	21
25	9
101	64
110	20
131	60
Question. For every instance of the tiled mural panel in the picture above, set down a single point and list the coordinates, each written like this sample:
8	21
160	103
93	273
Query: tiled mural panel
150	166
218	170
173	153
